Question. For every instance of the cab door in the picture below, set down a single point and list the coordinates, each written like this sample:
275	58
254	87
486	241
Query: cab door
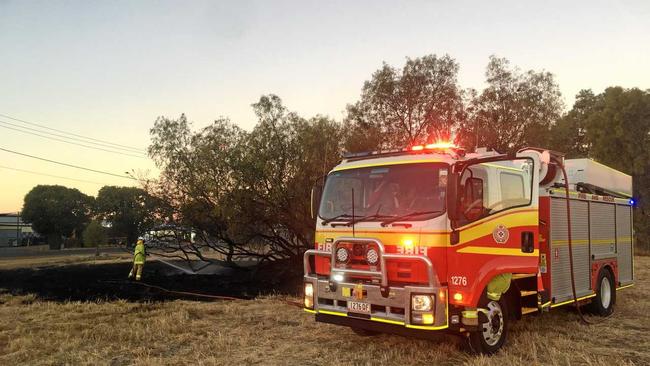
495	223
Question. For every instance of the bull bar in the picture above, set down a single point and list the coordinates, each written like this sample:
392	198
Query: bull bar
388	298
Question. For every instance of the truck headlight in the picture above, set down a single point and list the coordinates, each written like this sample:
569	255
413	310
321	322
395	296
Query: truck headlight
421	303
342	255
309	295
372	256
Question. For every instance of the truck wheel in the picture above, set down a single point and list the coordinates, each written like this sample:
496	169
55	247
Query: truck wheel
603	303
364	332
492	327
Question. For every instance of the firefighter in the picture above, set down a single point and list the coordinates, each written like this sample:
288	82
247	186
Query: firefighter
138	260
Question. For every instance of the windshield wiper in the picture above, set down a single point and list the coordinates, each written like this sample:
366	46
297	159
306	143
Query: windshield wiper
327	221
400	218
365	218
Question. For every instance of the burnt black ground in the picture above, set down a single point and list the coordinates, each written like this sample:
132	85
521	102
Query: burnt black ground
107	281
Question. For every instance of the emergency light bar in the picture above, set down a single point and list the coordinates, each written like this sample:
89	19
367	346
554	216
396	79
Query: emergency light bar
440	146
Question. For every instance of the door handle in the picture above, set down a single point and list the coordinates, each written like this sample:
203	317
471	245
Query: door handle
527	242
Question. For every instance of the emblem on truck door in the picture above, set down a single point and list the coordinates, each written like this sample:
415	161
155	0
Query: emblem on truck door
500	234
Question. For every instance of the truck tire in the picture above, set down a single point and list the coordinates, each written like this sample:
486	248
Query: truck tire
493	327
364	332
603	303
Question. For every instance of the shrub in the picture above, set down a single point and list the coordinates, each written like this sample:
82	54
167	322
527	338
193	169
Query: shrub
94	235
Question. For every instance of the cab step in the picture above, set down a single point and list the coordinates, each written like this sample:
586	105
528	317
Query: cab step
527	293
528	310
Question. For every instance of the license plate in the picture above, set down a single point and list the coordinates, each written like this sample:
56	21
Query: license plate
358	307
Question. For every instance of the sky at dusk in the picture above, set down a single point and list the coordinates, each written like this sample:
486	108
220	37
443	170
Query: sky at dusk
108	69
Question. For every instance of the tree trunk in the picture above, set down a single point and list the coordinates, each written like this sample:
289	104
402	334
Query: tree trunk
54	241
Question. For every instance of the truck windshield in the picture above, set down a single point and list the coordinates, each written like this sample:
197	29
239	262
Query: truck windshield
417	190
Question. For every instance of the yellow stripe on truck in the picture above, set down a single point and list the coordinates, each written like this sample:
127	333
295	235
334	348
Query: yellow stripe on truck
512	219
476	230
436	239
355	166
380	320
572	300
497	251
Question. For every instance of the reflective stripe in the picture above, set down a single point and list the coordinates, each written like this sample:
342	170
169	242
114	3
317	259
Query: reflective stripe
621	239
380	320
399	162
427	327
510	219
470	314
391	237
332	313
623	287
572	301
386	321
497	251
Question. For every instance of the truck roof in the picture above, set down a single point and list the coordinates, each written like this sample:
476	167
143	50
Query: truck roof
415	154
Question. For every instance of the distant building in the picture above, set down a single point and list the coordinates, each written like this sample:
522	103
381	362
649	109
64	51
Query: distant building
14	232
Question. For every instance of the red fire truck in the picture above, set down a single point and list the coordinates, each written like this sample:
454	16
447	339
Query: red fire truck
431	238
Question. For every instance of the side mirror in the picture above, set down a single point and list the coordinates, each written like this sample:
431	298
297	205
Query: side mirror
316	193
452	197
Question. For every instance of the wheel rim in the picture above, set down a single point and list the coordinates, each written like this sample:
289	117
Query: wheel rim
493	328
605	292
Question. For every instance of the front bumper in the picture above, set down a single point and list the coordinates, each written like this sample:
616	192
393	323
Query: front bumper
378	326
393	309
388	305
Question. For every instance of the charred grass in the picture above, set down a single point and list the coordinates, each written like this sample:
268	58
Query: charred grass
38	328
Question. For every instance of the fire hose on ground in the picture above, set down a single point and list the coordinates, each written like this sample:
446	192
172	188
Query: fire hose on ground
194	294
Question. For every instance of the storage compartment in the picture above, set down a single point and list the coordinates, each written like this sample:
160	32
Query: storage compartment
592	173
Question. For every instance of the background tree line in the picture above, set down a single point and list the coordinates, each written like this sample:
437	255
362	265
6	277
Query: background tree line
65	215
247	193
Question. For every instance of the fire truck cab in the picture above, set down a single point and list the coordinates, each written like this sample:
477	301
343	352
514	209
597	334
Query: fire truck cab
430	238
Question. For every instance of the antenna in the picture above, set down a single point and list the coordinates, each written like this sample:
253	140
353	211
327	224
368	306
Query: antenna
353	212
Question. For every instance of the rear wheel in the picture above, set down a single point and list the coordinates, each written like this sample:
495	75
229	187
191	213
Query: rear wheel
492	327
364	332
603	303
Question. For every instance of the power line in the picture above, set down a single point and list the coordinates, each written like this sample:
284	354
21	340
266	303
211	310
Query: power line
130	149
72	143
49	175
66	164
69	133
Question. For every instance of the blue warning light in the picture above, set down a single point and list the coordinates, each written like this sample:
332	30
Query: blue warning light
632	202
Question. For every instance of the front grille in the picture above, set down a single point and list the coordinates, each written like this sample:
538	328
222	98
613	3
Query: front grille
358	258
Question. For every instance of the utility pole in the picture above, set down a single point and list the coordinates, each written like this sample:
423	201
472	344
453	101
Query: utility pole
18	229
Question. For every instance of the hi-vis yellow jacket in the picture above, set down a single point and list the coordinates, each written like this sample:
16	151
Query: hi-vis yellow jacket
138	253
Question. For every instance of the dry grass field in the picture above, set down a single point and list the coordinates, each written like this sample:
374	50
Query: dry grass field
35	331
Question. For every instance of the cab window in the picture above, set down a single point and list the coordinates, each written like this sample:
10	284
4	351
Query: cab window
512	186
489	188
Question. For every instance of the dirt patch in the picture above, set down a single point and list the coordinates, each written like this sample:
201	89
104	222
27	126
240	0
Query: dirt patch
108	281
